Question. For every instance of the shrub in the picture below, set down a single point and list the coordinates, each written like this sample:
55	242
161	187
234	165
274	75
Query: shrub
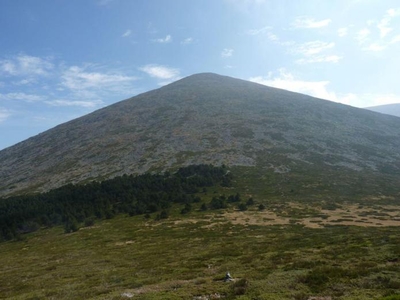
240	287
89	221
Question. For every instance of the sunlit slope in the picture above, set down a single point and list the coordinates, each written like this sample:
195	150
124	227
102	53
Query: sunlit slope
206	118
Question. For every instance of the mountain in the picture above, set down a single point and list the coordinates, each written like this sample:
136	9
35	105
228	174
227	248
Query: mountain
389	109
206	118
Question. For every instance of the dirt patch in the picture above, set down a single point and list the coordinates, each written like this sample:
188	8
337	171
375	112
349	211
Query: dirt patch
255	218
347	215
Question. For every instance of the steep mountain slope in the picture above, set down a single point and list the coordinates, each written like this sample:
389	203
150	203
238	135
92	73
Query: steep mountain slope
204	118
389	109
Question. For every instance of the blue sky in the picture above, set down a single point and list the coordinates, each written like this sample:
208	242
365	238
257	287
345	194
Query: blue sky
61	59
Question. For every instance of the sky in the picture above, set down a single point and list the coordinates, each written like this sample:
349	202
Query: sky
62	59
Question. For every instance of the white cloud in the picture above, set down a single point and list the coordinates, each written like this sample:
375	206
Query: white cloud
25	81
307	22
395	39
160	72
76	78
320	89
4	114
25	65
374	43
127	33
227	53
362	35
375	47
259	30
21	97
85	104
272	37
319	59
264	30
187	41
383	27
383	24
286	81
165	40
312	48
314	52
342	32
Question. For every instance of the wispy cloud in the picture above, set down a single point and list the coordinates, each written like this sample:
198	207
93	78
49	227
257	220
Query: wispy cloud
362	35
21	97
85	104
395	40
34	79
167	39
127	33
272	37
4	114
187	41
314	47
379	38
258	30
310	52
227	52
286	80
320	89
25	65
315	52
307	22
342	31
320	59
164	73
383	24
264	31
77	78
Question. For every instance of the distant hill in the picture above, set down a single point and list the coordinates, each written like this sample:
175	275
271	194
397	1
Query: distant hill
389	109
206	118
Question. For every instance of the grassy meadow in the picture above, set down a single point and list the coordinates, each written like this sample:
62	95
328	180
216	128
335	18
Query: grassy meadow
287	248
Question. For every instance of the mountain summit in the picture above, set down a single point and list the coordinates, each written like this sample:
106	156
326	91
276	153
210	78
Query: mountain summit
203	118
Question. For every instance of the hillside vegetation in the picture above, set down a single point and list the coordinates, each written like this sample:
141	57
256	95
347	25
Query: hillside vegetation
134	195
275	243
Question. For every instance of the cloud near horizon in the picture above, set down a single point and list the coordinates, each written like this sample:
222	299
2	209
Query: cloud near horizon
320	89
160	71
310	23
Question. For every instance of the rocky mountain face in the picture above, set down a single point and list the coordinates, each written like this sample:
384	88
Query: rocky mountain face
389	109
204	118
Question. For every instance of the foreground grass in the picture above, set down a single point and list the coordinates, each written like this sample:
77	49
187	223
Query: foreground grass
185	257
302	244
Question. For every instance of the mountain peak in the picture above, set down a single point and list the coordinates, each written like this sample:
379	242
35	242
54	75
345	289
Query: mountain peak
203	118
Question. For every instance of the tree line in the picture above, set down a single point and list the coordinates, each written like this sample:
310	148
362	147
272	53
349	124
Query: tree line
132	194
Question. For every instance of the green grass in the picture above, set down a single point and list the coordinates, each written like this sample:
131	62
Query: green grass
187	256
164	260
